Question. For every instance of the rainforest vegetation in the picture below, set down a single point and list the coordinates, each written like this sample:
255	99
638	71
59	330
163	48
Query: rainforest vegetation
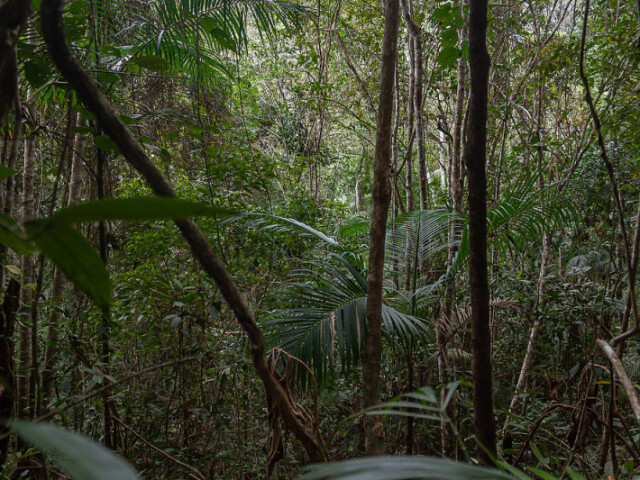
249	239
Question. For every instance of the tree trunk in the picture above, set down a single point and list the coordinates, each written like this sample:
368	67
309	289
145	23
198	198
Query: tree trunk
26	293
58	283
415	97
456	183
381	193
419	117
7	199
10	306
475	159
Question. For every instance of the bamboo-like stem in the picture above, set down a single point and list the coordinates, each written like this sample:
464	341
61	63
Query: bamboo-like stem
622	375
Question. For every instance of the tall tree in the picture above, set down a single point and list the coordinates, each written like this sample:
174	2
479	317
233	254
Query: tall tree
475	160
381	193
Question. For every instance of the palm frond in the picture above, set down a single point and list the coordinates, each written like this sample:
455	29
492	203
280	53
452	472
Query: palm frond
321	318
525	212
191	35
273	223
420	234
423	404
597	261
354	227
513	224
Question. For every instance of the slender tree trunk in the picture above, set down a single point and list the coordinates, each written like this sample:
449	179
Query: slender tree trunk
455	168
419	119
411	135
109	437
381	194
408	175
26	293
8	313
415	97
475	159
7	199
58	282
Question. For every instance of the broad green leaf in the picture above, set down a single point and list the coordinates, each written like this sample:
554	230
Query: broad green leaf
78	456
11	239
14	242
143	208
6	172
575	475
36	73
400	468
73	253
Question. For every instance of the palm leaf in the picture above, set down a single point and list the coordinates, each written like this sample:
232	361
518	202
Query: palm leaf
423	404
321	317
405	467
192	35
513	225
288	226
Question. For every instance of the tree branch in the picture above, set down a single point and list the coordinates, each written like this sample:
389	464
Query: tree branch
622	375
96	102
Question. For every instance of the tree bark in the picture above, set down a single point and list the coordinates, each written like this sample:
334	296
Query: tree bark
10	306
26	293
415	97
475	160
381	193
58	283
13	15
456	183
7	199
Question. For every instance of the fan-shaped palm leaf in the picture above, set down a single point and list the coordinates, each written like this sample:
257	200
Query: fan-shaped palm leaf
597	261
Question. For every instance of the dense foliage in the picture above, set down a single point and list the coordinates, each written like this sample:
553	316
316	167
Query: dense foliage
262	116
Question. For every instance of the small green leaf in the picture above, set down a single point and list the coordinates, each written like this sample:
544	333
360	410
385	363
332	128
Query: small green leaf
575	475
151	62
448	56
80	457
538	455
105	144
73	253
6	172
136	209
541	473
36	73
13	269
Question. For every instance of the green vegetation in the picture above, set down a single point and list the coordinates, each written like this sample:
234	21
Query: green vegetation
273	239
